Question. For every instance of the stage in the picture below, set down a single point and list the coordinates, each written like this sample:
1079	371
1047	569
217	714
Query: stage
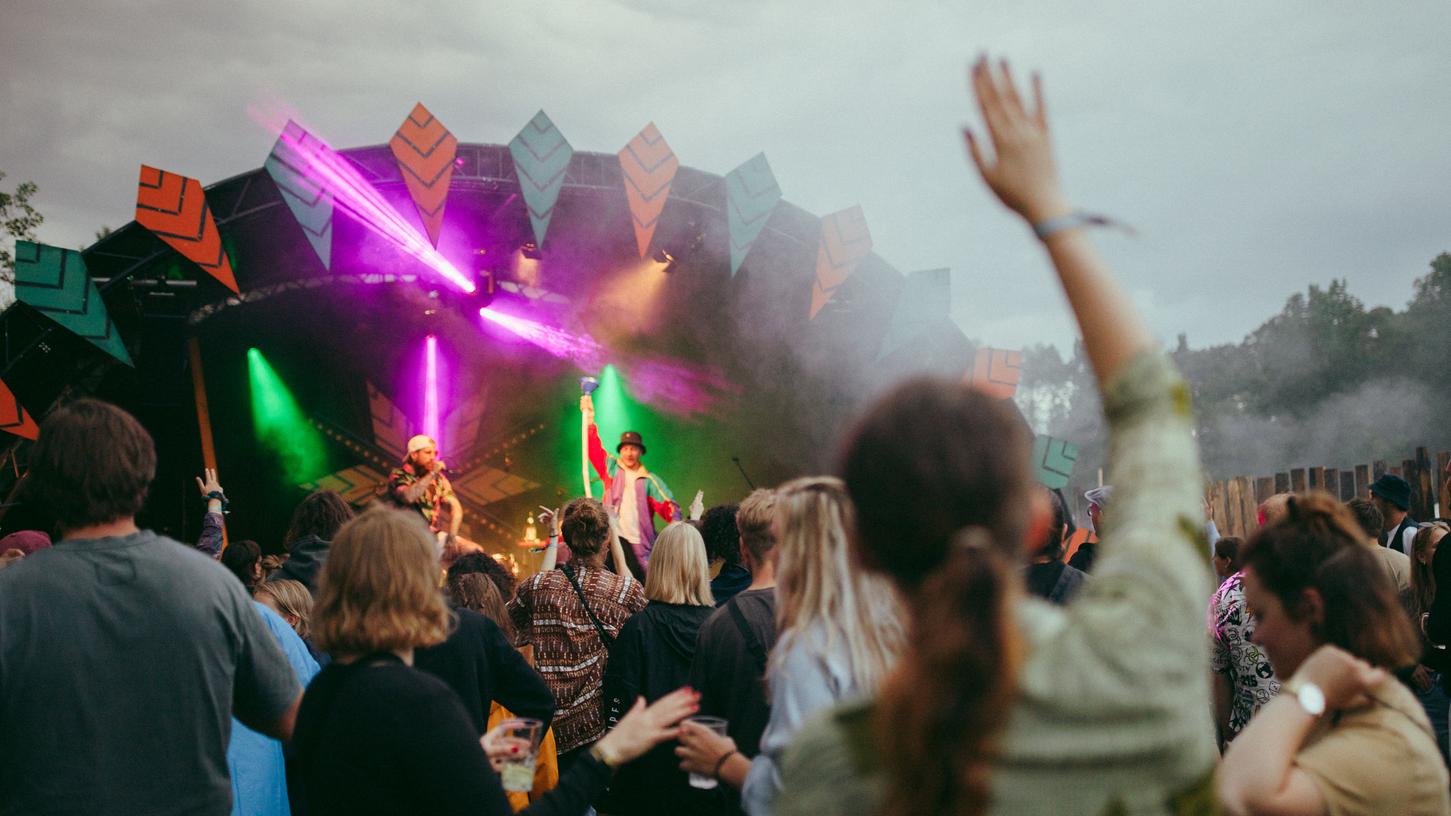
317	367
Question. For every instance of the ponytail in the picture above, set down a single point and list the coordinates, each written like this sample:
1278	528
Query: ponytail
941	711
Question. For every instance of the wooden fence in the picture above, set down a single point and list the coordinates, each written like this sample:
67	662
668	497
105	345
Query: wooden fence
1236	500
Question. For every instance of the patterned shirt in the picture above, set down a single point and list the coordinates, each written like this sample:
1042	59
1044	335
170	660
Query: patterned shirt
1231	623
568	652
433	504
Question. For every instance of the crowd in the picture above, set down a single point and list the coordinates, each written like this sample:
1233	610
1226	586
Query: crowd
926	631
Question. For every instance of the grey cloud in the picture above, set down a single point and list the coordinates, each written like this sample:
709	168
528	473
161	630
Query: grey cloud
1258	147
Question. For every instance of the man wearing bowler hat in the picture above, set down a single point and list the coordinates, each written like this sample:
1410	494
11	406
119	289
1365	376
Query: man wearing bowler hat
1392	495
633	494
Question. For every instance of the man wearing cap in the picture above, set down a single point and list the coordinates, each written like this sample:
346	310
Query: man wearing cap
422	485
632	493
1392	495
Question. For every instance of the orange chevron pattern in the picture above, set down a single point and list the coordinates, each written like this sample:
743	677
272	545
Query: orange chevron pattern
175	208
650	166
425	151
485	485
996	372
845	240
357	485
13	418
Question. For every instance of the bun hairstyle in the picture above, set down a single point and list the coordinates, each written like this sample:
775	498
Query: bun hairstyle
1318	544
940	477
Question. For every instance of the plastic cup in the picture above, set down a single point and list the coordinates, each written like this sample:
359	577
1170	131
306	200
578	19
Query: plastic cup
517	770
718	726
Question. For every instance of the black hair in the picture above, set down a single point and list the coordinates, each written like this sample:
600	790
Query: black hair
722	538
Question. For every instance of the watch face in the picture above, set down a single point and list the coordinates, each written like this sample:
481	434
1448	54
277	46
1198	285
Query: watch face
1312	699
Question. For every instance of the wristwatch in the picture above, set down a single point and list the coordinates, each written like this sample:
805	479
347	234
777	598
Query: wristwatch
1309	695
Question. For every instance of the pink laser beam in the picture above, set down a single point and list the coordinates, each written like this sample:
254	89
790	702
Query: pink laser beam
360	199
582	349
430	389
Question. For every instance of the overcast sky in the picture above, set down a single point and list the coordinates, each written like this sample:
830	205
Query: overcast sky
1257	147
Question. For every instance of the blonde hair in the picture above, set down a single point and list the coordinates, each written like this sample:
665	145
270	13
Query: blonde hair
290	598
679	572
753	520
379	587
819	584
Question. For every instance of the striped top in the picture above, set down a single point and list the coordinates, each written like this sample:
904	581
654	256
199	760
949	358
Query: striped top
567	650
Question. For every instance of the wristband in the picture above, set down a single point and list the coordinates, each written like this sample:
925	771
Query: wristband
1049	227
605	758
221	497
720	763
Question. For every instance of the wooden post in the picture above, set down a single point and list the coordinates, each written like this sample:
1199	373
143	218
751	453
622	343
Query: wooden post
203	413
1443	496
1264	488
1247	505
1297	480
1219	503
1362	480
1282	483
1347	485
1316	478
1424	487
1332	482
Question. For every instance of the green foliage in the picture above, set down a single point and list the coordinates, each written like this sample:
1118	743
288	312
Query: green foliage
19	220
1326	381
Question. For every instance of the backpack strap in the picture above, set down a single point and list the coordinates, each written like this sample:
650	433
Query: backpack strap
606	638
749	635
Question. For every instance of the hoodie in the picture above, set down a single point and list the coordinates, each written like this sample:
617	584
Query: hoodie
650	659
305	561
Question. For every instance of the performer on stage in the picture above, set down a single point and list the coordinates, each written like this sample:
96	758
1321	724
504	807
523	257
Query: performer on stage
422	484
632	493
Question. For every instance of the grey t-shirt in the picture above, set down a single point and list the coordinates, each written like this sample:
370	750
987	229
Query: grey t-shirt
121	661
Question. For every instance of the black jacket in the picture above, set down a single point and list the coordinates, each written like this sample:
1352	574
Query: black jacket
650	659
481	666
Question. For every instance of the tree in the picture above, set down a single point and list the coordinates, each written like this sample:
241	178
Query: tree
19	220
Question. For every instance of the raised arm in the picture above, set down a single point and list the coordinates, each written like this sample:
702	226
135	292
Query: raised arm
598	458
1134	638
1022	173
213	526
617	549
551	547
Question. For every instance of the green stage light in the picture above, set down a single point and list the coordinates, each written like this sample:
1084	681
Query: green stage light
281	425
612	405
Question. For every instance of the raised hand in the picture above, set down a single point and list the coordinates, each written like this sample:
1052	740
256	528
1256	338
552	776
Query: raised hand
1345	679
587	407
643	728
697	506
207	482
1021	170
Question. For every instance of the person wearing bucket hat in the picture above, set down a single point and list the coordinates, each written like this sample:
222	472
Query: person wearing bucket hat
421	483
1392	495
632	493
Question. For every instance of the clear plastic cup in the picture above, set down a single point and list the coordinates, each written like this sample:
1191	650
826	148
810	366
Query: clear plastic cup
517	770
717	725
